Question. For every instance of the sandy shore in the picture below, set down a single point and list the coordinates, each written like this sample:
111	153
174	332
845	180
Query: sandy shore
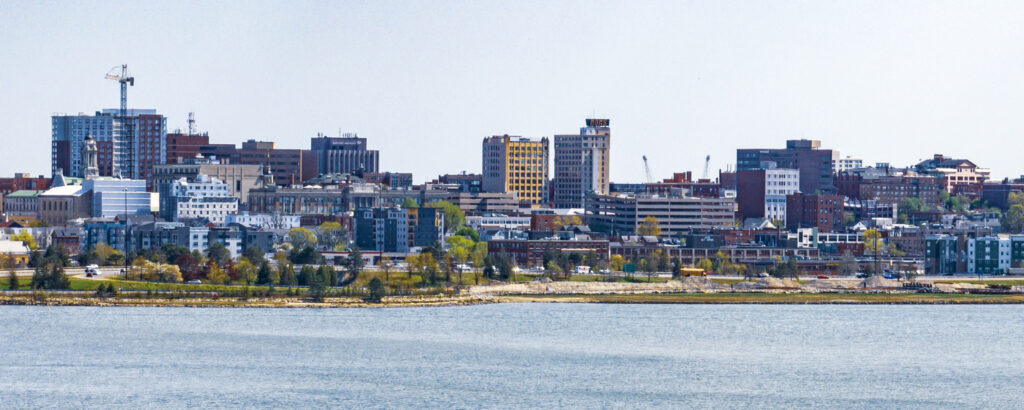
769	297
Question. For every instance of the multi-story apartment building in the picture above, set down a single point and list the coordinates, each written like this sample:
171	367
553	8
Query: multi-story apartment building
954	174
846	164
982	255
582	164
997	193
389	179
382	229
395	229
240	178
531	252
347	155
264	221
203	197
761	193
468	183
426	226
119	155
824	212
893	189
676	213
516	164
486	202
498	221
814	163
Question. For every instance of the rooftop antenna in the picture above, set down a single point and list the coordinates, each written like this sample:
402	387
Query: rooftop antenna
191	123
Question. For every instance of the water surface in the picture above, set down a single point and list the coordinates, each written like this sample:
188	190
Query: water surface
515	356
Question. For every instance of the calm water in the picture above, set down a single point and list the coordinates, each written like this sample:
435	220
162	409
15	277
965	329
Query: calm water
514	356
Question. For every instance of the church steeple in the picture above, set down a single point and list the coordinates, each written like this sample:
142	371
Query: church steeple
267	179
90	167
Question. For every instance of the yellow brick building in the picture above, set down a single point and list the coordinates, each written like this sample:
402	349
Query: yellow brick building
519	165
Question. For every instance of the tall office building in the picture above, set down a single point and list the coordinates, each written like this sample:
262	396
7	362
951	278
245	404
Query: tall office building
582	164
347	154
117	156
516	164
815	164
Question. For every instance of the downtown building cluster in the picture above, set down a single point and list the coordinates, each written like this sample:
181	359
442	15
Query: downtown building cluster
800	202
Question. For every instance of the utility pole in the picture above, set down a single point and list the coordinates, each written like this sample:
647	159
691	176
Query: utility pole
126	233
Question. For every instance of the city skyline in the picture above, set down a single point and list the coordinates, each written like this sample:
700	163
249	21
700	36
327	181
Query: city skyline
873	81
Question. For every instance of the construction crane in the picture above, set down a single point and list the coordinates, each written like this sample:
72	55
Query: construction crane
120	74
707	162
647	171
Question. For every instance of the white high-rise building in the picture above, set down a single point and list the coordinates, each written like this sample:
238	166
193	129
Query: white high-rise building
582	164
778	183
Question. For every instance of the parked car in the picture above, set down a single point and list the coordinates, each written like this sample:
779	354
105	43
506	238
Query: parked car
889	277
862	275
194	282
823	277
762	274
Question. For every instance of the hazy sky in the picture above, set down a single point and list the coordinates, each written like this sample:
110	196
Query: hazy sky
426	81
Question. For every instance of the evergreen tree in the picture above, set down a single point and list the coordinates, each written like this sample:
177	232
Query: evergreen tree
376	288
287	275
317	288
263	275
329	275
306	275
355	262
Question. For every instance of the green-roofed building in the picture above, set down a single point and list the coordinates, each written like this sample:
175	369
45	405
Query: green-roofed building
22	206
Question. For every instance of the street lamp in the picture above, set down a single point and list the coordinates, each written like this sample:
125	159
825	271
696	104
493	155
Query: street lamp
125	232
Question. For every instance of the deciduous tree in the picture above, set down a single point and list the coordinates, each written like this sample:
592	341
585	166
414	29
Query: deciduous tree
26	238
301	237
649	227
331	235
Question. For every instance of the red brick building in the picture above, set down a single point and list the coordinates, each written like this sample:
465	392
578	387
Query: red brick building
181	145
824	212
531	253
894	189
23	181
289	166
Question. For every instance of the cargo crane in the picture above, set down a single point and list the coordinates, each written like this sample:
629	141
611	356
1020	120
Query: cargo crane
120	74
